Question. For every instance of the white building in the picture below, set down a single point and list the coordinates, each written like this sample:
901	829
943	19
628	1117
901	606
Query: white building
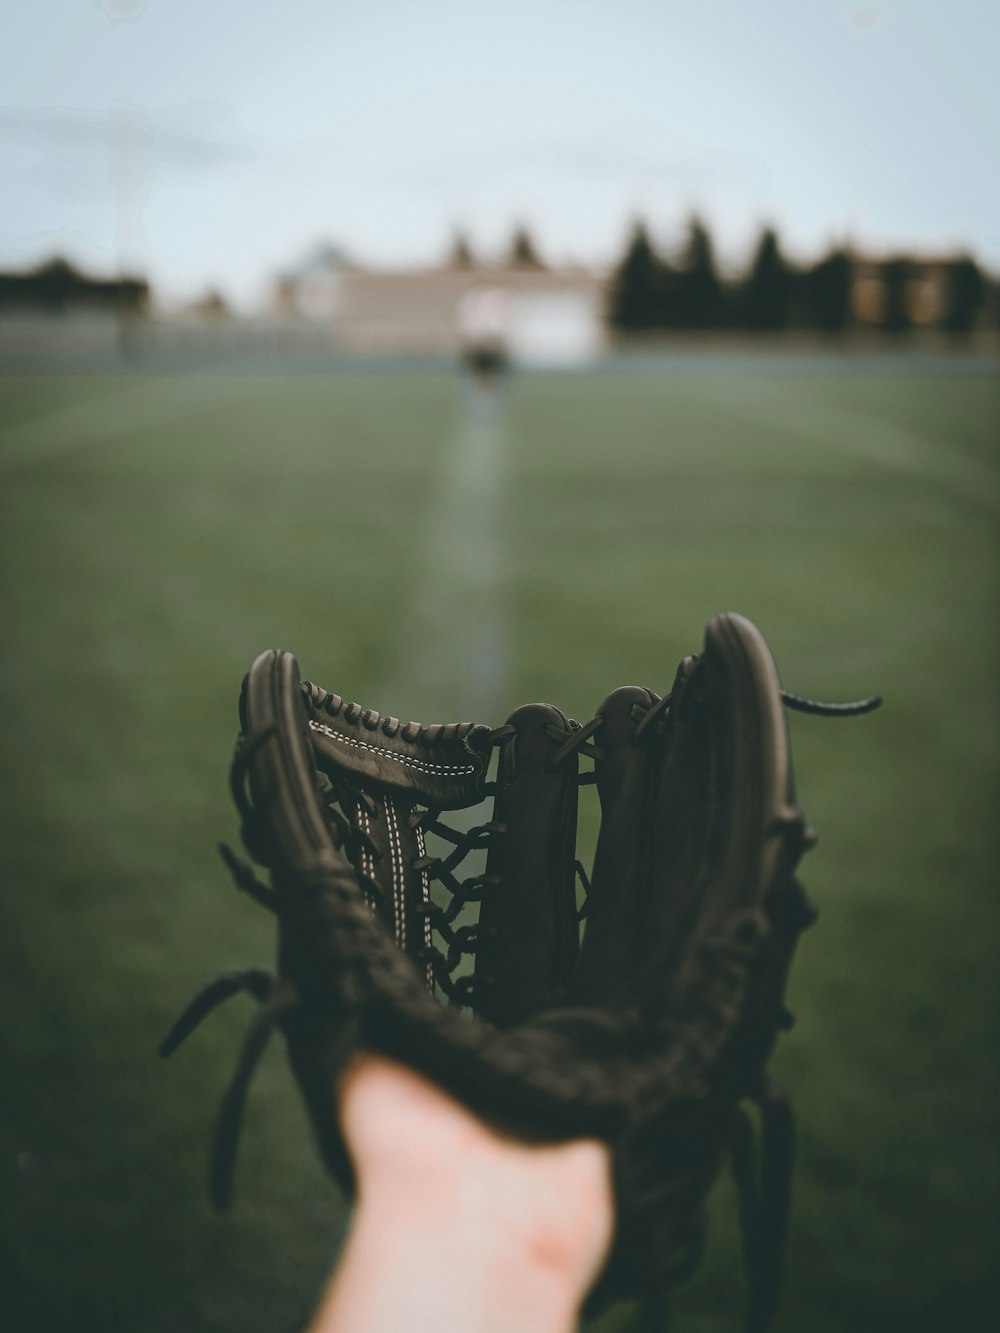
554	316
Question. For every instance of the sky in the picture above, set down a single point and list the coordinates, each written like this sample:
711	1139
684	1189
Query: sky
216	143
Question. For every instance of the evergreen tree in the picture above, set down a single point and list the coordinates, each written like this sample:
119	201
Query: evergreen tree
56	281
637	286
699	292
522	250
461	252
212	305
963	296
768	289
827	292
895	278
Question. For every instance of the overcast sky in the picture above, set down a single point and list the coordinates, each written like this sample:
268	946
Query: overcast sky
218	141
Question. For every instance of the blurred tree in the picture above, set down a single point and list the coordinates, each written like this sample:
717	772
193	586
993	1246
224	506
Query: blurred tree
826	292
461	252
964	295
766	295
211	305
55	281
637	286
700	302
896	274
522	250
57	285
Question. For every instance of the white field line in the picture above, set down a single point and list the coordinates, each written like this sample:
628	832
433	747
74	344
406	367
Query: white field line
450	658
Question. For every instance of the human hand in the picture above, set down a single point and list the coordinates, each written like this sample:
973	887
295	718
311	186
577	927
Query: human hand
457	1224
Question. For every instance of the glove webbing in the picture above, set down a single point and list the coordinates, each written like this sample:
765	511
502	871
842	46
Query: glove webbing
450	941
450	950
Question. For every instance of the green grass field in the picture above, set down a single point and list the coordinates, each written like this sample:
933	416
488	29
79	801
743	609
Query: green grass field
159	530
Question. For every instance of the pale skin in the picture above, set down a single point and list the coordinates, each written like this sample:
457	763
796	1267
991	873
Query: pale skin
457	1225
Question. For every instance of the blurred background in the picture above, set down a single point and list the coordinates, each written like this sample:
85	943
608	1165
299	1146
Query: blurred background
481	355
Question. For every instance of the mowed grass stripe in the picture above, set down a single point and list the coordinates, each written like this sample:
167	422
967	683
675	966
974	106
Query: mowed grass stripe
838	423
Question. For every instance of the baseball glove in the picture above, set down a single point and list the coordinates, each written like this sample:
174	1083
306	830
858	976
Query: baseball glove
651	1035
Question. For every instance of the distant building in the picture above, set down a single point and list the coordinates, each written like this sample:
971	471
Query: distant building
924	296
555	316
312	290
